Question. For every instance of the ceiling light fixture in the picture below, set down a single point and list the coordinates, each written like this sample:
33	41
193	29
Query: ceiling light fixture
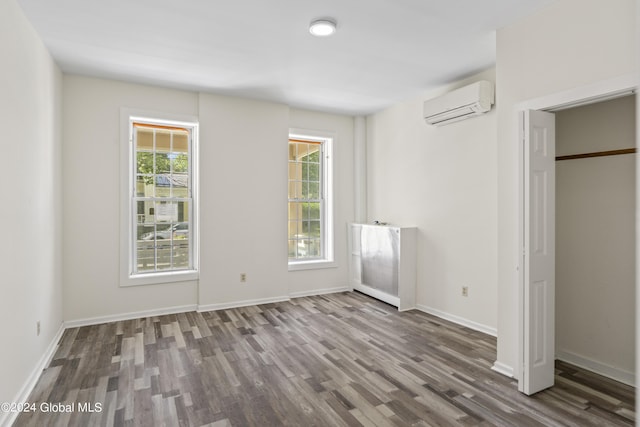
322	27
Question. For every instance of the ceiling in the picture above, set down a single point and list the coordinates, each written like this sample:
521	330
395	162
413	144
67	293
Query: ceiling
384	50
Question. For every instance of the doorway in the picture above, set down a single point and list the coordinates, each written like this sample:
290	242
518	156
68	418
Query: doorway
536	311
595	239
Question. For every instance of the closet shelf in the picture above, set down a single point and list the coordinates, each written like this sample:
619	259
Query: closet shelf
597	154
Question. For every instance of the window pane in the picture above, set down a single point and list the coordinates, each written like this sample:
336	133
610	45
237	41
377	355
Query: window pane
308	149
162	186
314	229
314	190
180	255
180	233
293	229
313	248
163	164
314	172
295	210
164	252
140	213
314	156
294	171
172	185
292	248
144	186
179	185
302	248
306	229
314	211
181	142
299	194
292	190
144	162
146	232
180	162
144	139
304	211
145	254
184	214
163	140
166	212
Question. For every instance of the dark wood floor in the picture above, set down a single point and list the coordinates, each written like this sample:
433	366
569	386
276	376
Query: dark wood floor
333	360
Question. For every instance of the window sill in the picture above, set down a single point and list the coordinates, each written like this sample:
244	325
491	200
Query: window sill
159	278
311	265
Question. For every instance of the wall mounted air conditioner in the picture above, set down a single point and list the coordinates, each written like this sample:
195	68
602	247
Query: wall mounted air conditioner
459	104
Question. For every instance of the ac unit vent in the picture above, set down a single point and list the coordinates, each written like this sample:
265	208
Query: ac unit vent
460	104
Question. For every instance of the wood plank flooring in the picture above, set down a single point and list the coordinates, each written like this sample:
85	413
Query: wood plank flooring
333	360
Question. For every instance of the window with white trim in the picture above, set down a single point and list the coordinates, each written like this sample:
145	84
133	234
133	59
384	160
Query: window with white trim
309	203
162	206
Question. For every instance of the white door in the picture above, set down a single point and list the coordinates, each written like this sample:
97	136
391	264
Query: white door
538	293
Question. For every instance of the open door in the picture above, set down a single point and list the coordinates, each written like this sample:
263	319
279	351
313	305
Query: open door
538	290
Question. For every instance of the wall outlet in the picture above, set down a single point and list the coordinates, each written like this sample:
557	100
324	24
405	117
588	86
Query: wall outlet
465	291
38	328
243	277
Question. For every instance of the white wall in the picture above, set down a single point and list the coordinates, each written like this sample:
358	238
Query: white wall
91	179
244	199
30	257
442	180
342	127
595	243
568	44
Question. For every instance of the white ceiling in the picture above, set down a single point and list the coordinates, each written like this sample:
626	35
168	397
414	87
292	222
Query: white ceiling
384	51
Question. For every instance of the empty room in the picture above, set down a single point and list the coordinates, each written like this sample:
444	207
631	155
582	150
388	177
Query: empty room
408	213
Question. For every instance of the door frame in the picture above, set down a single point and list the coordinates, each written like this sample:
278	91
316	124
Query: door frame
596	92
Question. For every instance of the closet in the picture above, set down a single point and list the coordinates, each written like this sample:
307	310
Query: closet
595	237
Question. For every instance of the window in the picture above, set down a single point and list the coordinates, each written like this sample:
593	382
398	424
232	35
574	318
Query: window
161	213
310	215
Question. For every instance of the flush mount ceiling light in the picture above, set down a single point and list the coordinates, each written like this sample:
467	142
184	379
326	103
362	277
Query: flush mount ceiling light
322	27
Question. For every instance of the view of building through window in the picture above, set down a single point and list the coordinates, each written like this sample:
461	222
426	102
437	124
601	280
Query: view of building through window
162	199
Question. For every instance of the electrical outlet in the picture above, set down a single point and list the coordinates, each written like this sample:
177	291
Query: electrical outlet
465	291
243	277
38	328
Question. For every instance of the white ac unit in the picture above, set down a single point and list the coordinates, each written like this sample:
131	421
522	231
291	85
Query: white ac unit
460	104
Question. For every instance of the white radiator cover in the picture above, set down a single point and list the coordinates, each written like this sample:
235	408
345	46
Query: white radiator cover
383	263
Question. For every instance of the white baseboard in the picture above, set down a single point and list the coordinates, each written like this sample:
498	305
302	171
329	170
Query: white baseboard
608	371
319	292
128	316
194	307
503	369
236	304
8	418
459	320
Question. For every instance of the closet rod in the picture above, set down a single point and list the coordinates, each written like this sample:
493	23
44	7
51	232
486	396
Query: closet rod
597	154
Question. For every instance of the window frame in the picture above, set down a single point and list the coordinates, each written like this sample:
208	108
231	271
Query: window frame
327	259
129	206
